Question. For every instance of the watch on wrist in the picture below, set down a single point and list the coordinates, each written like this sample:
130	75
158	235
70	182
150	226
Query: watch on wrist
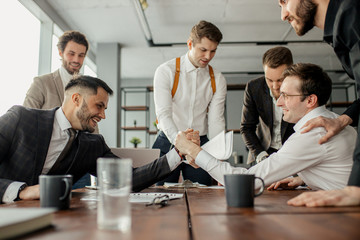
22	187
181	156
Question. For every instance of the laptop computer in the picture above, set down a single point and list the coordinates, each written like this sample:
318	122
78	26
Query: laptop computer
140	156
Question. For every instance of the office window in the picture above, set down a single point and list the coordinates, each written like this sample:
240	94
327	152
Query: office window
19	47
55	57
89	68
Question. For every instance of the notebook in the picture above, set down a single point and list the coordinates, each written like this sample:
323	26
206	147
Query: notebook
18	221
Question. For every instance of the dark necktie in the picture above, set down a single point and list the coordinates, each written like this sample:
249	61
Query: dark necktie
66	149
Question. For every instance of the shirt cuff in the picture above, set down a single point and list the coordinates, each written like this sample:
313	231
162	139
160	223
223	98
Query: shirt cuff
261	156
173	159
11	192
202	159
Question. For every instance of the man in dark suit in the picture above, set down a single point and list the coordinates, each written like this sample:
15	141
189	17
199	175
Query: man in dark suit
262	127
32	140
47	91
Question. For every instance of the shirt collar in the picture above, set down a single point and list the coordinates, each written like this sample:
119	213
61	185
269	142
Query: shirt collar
310	115
62	120
330	20
65	75
190	67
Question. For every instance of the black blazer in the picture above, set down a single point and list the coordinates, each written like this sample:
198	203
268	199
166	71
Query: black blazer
257	118
25	136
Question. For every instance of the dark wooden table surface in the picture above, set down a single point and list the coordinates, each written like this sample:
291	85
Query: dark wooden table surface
79	222
271	218
203	214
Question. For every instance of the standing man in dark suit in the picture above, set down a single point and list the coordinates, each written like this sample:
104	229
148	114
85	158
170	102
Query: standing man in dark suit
47	91
262	127
340	21
32	140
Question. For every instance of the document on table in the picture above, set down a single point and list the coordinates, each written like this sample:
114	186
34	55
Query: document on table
149	197
141	197
221	146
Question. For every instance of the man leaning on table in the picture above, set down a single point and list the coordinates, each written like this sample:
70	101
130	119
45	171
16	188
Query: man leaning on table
304	92
32	142
339	19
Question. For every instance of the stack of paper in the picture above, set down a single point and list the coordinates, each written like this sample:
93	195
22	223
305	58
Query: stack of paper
221	146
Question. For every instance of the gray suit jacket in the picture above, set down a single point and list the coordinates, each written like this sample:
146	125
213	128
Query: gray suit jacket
25	136
257	119
46	92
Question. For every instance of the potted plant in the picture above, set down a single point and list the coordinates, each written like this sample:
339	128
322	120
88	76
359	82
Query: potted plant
135	141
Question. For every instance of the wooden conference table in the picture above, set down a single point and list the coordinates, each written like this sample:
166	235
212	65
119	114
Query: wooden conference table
203	214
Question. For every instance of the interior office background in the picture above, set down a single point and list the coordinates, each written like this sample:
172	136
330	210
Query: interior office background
28	47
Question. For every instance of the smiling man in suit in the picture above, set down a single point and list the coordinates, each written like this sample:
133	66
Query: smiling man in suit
262	127
47	91
32	142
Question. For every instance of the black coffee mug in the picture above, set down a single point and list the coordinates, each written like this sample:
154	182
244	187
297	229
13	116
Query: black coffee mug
55	191
240	189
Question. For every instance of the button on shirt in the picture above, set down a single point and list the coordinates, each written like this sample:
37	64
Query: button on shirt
60	136
326	166
277	116
194	104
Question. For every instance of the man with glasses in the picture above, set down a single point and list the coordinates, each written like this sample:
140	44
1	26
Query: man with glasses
303	94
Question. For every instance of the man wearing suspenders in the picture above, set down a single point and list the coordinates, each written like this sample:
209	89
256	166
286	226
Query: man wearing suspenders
189	93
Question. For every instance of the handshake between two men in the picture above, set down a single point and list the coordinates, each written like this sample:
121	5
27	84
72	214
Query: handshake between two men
188	145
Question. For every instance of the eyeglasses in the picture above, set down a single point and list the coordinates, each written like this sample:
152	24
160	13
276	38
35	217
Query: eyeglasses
162	201
285	95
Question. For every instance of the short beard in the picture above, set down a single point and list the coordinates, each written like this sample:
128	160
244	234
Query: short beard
84	116
306	12
66	66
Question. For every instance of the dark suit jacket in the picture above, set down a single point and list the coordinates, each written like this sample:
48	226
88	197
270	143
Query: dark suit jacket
257	118
24	140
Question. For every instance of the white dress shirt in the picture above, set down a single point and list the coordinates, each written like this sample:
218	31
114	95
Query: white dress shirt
194	104
277	116
325	166
65	76
59	138
276	131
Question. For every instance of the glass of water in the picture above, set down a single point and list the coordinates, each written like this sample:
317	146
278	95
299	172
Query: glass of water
114	177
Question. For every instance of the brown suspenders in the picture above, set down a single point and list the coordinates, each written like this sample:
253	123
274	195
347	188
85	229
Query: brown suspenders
177	74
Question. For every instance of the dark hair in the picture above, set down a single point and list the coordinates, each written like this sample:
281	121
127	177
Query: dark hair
277	56
205	29
88	82
313	80
74	36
